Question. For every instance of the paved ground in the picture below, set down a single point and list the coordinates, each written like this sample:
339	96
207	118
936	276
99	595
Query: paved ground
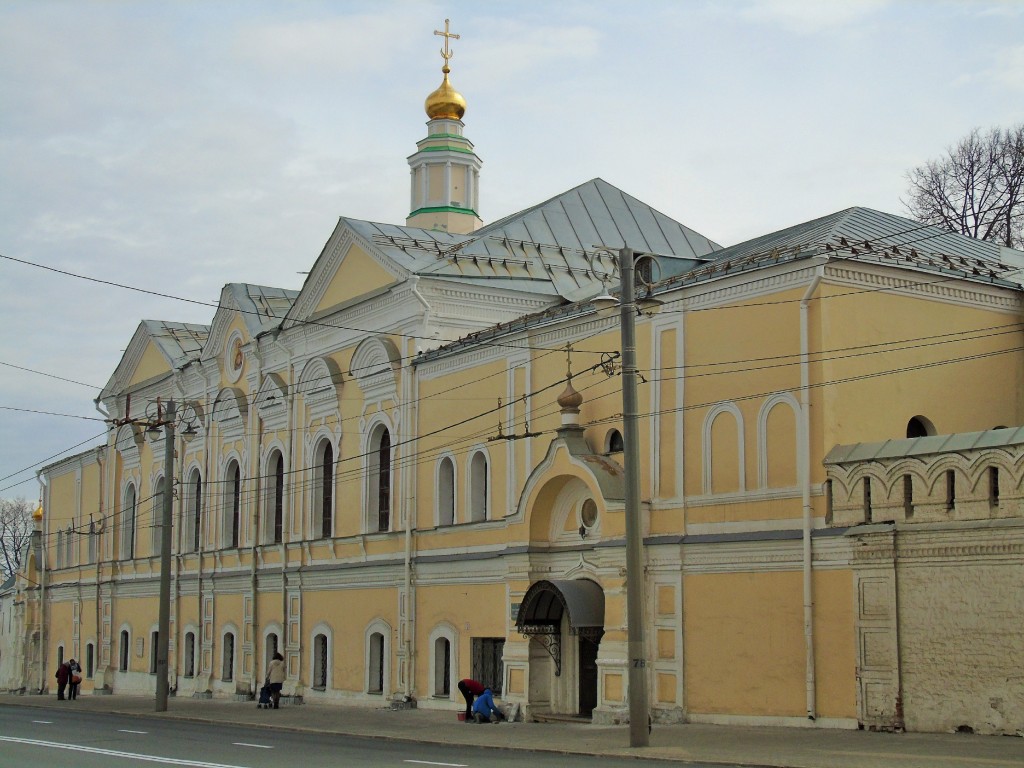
728	745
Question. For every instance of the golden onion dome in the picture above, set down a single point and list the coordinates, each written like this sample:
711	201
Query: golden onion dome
445	103
38	514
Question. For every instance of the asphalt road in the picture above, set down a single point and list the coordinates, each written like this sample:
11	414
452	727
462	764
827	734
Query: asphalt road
60	737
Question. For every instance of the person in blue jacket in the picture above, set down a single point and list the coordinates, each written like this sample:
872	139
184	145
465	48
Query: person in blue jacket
484	709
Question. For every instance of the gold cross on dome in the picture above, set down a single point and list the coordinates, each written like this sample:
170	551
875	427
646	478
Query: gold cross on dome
445	53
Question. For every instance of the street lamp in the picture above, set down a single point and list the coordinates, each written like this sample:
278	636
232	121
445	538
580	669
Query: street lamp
167	418
629	307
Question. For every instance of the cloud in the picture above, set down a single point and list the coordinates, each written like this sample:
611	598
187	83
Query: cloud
1009	68
811	16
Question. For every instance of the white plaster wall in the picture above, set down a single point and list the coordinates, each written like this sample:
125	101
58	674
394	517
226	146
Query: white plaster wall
962	642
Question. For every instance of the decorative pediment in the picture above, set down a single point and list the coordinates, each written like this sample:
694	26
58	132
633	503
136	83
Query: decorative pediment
375	365
320	385
272	402
230	410
128	441
350	267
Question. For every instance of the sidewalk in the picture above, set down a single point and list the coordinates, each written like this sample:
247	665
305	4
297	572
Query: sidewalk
728	745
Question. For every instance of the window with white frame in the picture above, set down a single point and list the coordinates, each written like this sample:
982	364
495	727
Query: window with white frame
478	495
378	476
157	527
193	511
375	682
275	499
189	655
320	661
124	651
228	670
446	491
323	490
232	508
128	523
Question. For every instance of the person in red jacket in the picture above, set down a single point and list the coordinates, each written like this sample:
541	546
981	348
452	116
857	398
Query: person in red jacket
470	689
63	678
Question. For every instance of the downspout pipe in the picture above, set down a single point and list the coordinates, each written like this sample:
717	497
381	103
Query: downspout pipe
805	451
43	543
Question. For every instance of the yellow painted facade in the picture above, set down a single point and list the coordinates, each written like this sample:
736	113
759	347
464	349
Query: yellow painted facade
410	474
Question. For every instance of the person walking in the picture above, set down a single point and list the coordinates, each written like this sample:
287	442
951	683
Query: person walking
469	689
74	678
275	678
485	710
63	676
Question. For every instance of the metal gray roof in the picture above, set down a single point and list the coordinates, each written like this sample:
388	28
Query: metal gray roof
179	342
868	236
547	249
923	446
261	307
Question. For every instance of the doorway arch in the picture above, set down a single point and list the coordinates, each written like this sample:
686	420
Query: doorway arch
564	621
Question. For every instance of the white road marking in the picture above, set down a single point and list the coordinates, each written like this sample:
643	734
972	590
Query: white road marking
125	730
246	744
428	762
44	722
118	753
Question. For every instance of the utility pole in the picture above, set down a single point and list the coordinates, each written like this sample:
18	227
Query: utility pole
164	627
639	708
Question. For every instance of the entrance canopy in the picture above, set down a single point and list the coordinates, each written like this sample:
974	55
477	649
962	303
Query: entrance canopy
546	602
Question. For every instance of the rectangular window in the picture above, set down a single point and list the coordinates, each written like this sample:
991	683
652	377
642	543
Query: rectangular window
950	490
993	487
487	665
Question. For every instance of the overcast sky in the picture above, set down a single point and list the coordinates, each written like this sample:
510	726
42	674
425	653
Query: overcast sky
178	146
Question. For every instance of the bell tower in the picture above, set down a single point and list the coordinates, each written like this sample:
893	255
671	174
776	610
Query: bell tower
445	171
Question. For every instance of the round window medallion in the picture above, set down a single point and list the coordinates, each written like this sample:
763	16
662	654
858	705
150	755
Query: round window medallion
588	513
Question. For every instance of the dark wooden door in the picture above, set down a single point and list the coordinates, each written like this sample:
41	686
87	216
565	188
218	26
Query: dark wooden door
588	677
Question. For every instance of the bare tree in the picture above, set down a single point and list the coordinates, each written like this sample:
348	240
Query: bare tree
976	188
15	531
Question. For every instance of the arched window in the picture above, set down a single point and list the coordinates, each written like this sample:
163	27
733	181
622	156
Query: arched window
90	660
189	655
128	524
442	667
320	661
375	683
275	499
193	511
379	478
124	650
919	426
60	655
323	490
446	492
233	505
478	495
613	442
228	673
158	517
271	648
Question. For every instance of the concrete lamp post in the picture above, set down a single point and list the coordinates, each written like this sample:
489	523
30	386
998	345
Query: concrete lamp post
167	418
629	306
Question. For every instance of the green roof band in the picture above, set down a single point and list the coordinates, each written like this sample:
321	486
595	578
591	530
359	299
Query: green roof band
447	149
444	209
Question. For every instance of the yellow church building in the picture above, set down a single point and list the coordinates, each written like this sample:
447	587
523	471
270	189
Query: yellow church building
411	471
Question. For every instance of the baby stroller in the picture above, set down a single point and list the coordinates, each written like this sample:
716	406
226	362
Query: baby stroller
265	701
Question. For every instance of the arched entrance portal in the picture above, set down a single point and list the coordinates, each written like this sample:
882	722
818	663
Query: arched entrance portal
564	620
